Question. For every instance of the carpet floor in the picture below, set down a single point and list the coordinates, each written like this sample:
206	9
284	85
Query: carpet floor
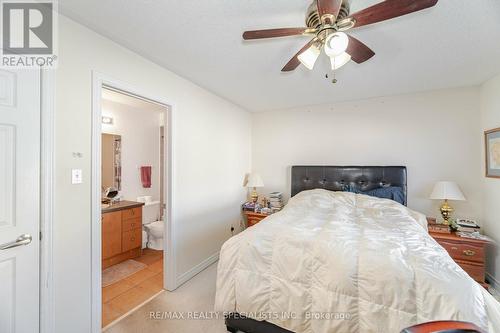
196	297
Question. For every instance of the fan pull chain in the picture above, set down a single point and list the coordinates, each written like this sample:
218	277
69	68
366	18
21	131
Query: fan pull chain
334	67
334	79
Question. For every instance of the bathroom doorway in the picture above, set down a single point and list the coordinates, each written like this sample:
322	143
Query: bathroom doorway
133	188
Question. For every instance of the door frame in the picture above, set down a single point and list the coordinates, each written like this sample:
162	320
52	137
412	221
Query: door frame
100	81
47	179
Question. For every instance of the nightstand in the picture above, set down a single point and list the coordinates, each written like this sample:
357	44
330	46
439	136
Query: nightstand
254	218
468	253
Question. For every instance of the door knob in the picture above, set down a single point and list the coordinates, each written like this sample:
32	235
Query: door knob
24	239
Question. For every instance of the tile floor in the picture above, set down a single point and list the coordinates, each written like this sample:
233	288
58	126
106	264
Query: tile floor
124	295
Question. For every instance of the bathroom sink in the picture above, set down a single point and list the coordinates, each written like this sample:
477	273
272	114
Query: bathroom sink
104	206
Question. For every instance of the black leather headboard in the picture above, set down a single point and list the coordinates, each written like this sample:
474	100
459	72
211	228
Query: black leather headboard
338	178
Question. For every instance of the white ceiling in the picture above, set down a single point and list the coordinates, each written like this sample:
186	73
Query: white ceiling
456	43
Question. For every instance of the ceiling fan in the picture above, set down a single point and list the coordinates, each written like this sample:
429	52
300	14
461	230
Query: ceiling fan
326	21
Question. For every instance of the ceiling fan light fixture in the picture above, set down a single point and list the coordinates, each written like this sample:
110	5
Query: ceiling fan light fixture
308	57
346	24
340	60
327	19
336	44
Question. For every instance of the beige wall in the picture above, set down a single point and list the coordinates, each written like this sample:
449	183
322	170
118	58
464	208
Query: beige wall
490	119
211	139
140	139
434	134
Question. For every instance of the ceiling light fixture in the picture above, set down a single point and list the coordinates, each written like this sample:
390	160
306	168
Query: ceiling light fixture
340	60
326	20
308	57
336	44
107	120
335	47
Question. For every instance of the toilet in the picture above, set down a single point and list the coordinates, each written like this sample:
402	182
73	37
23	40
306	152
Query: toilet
153	227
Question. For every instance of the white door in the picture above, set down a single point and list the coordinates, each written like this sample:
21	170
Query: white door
19	200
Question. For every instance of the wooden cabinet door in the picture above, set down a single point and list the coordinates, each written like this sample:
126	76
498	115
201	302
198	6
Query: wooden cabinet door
111	234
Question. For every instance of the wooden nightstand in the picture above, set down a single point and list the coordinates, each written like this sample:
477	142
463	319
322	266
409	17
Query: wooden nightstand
469	253
254	218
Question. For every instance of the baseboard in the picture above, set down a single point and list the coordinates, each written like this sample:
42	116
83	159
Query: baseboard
493	282
185	277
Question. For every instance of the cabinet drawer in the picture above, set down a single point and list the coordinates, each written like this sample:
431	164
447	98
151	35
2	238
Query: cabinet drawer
475	271
131	224
131	239
462	251
253	220
132	213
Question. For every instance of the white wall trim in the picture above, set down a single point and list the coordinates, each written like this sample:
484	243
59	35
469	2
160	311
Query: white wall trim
95	247
47	112
98	81
493	282
197	269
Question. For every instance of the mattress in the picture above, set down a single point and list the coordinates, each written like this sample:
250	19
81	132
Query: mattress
345	262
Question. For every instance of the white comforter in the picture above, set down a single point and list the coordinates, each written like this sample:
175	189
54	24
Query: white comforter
342	262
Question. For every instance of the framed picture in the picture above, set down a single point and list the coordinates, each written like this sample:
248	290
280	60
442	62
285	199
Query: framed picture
492	142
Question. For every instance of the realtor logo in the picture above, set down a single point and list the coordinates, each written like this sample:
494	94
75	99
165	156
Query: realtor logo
27	30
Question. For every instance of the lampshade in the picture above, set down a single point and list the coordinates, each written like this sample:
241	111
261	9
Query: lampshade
308	57
447	191
340	60
254	180
336	44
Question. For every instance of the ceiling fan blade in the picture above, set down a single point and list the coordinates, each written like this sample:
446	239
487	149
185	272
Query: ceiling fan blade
271	33
330	8
390	9
358	51
295	62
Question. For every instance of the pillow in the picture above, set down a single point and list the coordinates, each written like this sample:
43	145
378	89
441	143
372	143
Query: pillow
395	193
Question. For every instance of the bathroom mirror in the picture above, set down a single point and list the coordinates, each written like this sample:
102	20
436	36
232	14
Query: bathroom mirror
111	169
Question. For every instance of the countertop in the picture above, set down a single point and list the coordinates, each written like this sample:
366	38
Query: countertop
124	204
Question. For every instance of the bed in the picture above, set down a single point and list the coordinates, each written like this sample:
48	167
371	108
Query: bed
338	260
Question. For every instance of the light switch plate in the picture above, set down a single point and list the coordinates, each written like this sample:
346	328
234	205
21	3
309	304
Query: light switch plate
76	176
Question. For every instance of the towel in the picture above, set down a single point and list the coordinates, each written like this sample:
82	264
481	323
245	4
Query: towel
146	176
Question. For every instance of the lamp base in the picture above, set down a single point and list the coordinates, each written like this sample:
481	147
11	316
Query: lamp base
446	211
254	196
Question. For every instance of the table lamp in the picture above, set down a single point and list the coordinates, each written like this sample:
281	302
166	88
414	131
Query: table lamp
253	181
445	190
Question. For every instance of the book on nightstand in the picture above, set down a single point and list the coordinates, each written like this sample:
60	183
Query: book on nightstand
438	228
465	225
275	201
474	235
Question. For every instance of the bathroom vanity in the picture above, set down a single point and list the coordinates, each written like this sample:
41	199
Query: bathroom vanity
121	228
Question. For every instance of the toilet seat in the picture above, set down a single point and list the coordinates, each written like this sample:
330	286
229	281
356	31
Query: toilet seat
156	228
